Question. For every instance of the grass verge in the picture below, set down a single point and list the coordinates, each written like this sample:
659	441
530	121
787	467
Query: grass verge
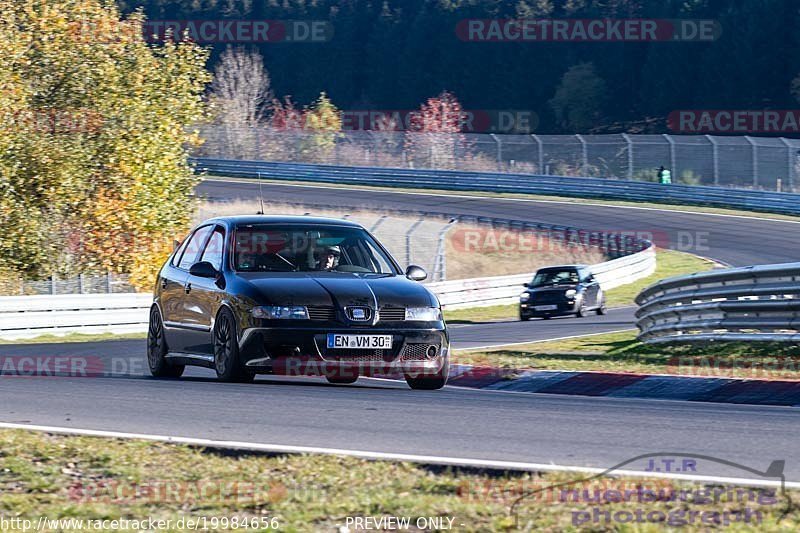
669	263
621	352
89	478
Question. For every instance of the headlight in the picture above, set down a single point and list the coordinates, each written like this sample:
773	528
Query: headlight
278	311
570	293
424	314
524	297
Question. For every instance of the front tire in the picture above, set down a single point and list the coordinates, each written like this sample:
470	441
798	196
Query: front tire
581	309
430	382
157	349
226	350
602	309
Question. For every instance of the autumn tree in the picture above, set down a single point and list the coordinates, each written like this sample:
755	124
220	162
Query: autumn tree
241	96
434	138
93	139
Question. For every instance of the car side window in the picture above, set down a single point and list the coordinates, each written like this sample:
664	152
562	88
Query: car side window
176	259
214	248
194	247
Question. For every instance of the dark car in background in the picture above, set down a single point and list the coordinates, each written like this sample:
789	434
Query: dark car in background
270	294
562	290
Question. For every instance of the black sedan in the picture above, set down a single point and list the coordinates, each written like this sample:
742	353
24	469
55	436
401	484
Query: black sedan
562	290
297	296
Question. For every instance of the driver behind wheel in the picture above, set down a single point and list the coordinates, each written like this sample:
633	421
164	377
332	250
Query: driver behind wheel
328	258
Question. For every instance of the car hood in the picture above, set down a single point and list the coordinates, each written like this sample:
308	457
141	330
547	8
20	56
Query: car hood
338	290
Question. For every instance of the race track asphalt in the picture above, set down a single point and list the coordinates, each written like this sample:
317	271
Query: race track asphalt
385	416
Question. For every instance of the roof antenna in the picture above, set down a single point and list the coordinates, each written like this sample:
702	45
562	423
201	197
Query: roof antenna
260	195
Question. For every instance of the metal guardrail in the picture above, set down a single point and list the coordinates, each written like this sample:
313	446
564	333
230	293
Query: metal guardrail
31	316
757	303
604	188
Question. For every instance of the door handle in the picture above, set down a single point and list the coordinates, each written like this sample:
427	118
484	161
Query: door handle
188	288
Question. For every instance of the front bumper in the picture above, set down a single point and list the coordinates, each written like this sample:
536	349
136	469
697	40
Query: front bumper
529	309
303	350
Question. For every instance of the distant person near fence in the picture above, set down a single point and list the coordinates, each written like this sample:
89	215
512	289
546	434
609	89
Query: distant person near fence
664	175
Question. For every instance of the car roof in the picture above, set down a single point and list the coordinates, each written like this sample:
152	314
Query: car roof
563	267
282	219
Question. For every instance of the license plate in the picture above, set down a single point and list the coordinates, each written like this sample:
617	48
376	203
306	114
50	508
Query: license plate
546	307
360	342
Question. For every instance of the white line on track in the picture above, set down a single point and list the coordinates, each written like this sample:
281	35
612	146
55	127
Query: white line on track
425	459
489	197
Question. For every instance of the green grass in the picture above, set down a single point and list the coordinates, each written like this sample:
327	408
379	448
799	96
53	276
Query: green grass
621	352
92	478
669	263
536	197
76	337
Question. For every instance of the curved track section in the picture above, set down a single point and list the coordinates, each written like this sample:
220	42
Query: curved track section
733	240
382	416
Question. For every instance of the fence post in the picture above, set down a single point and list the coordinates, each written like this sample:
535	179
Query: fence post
715	157
541	152
440	263
108	282
630	154
584	154
53	283
80	283
408	240
754	155
673	160
790	164
377	223
499	152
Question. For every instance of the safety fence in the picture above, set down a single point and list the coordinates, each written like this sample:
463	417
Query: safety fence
769	163
756	200
756	303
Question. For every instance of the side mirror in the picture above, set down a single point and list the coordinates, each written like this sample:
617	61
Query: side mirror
203	269
526	285
416	273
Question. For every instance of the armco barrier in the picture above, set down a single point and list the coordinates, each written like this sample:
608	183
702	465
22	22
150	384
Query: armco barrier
605	188
757	303
31	316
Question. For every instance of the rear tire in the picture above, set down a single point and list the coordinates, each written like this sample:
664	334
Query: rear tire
524	318
226	350
430	381
157	349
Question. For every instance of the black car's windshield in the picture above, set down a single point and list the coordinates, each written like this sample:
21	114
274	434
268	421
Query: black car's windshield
271	248
555	277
